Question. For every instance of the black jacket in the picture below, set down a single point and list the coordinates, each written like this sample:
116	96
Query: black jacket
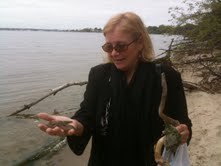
123	118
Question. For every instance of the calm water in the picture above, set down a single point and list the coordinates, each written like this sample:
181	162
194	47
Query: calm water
32	63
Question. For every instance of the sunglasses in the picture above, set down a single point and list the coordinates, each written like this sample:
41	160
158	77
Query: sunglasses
108	47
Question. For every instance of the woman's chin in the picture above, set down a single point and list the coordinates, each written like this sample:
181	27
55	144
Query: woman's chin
120	66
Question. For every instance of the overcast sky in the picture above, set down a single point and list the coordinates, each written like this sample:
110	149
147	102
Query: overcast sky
77	14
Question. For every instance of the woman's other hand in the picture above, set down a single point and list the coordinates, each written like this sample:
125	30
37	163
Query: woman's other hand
77	127
184	132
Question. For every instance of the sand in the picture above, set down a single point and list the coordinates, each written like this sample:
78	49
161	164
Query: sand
205	113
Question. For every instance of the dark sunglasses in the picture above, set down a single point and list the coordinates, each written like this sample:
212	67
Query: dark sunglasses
108	47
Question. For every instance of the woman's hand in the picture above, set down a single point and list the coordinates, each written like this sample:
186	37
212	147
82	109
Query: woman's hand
59	130
184	132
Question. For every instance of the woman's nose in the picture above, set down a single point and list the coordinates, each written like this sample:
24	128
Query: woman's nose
114	52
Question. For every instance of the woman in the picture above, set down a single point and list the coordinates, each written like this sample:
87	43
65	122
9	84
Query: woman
120	106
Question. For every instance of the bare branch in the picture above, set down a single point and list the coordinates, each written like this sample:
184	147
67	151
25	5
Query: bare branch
166	58
53	92
193	86
210	70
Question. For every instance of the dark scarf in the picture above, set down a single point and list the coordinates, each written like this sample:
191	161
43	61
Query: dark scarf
130	136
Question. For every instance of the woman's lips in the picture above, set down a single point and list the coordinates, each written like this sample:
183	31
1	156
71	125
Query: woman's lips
119	60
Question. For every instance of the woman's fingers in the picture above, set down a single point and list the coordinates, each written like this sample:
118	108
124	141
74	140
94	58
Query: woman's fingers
60	130
45	116
57	131
184	132
48	117
43	127
72	132
51	131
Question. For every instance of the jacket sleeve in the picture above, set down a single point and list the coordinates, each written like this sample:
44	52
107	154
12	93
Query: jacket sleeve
86	116
176	106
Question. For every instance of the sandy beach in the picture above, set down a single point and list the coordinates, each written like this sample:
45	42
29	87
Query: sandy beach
205	147
205	113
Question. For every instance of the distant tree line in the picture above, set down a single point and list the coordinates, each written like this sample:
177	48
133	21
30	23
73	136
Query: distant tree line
162	29
53	30
169	29
88	30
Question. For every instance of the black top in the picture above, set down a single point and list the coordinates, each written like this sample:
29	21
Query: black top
123	118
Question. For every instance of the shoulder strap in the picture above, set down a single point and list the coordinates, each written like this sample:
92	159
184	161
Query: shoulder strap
158	68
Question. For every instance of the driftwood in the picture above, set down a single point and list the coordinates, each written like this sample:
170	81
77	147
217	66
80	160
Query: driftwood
162	114
167	55
47	150
53	92
211	70
201	58
171	140
190	86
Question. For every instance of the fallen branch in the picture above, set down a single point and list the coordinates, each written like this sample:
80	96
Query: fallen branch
53	92
209	59
210	70
48	150
171	140
193	86
165	59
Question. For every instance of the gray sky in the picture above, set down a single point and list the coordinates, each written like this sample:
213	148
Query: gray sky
76	14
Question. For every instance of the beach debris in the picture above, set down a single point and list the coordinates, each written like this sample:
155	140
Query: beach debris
52	92
201	58
46	151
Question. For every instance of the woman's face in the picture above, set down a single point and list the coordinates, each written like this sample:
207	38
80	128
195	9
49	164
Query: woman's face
124	60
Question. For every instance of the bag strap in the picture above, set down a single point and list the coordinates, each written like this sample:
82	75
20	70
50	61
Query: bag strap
158	68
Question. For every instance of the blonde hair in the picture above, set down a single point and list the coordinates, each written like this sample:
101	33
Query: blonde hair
130	22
